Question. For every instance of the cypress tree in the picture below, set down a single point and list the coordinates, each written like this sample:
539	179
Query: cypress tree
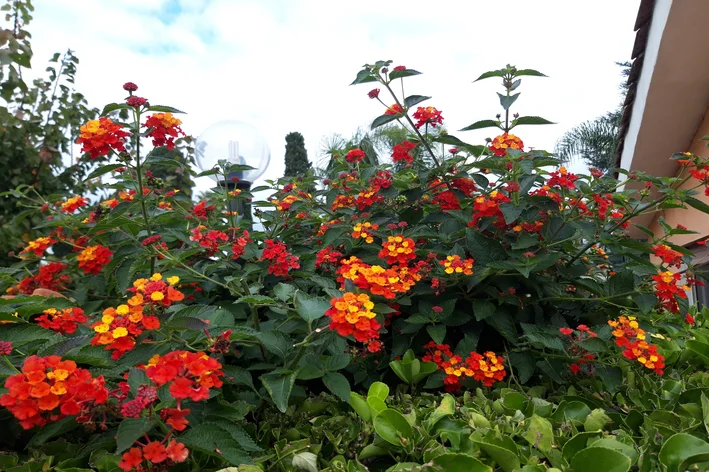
297	163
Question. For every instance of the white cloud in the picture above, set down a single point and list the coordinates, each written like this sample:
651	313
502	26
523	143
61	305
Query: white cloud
286	65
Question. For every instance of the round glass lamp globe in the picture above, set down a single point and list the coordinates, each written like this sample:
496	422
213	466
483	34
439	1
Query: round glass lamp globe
237	143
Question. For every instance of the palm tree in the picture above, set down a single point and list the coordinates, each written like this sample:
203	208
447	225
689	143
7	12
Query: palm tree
595	141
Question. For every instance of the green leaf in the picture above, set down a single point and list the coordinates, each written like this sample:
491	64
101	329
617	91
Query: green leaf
165	109
511	212
279	384
437	332
379	390
532	72
360	406
283	292
682	450
505	458
112	107
384	119
399	74
392	427
482	124
697	204
700	349
595	459
337	384
209	438
577	443
483	309
446	408
531	120
310	308
276	342
129	431
103	170
617	446
51	430
451	462
507	101
364	76
305	461
540	434
412	100
492	73
596	420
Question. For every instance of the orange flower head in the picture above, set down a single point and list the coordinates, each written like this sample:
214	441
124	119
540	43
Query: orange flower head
99	137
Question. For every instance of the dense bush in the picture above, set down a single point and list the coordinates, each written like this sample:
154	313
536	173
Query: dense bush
178	337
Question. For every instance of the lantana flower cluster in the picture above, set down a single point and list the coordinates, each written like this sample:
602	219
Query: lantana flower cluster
62	321
576	350
486	368
280	260
49	388
632	339
352	315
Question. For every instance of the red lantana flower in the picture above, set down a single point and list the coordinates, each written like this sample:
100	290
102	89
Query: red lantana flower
38	246
187	374
355	156
503	142
74	203
281	261
93	259
99	137
402	152
427	115
62	321
163	128
395	109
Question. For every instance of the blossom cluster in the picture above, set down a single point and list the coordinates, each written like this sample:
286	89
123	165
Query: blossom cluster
92	259
163	128
576	350
376	279
38	246
503	142
188	375
62	321
352	315
632	338
486	368
100	137
455	265
49	388
280	260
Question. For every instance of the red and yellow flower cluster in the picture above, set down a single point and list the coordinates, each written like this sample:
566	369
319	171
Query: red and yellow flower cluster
503	142
156	291
427	116
364	231
154	452
280	260
486	368
631	337
668	255
355	156
402	152
187	374
489	206
163	129
38	246
93	258
667	285
48	276
455	265
576	350
119	327
376	279
74	203
47	384
209	239
352	315
327	256
398	250
62	321
99	137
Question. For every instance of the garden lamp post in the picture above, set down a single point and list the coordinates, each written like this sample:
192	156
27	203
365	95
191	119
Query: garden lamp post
239	144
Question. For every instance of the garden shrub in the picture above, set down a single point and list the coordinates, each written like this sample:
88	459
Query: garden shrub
174	332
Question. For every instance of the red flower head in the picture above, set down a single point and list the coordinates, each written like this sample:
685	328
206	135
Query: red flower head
187	374
689	319
130	87
98	137
48	389
355	155
562	178
74	203
327	256
94	258
398	249
352	315
427	115
202	211
38	246
131	459
281	261
136	101
5	348
502	143
62	321
399	68
395	109
374	93
239	246
163	128
401	152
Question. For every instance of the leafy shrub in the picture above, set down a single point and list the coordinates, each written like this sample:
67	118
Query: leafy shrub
178	321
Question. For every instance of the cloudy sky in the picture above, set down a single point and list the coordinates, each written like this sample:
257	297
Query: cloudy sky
286	65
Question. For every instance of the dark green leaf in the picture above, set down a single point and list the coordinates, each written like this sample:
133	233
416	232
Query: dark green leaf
507	100
392	427
164	108
279	384
483	309
492	73
531	120
310	308
129	431
529	72
383	119
112	107
103	170
437	332
337	384
697	204
412	100
482	124
399	74
595	459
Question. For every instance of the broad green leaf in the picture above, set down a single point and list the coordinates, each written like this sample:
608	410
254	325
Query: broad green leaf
531	120
52	430
412	100
596	420
451	462
305	461
360	406
129	431
611	443
682	450
112	107
392	427
482	124
258	300
697	204
437	332
577	443
399	74
279	384
383	119
103	170
511	212
596	459
540	434
376	404
507	100
337	384
531	72
216	442
164	108
364	76
446	408
310	308
379	390
700	349
492	73
283	292
505	458
483	309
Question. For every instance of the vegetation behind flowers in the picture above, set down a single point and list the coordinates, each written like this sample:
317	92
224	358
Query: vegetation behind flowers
176	330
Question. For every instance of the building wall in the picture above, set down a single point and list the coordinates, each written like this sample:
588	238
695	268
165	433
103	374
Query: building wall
693	219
